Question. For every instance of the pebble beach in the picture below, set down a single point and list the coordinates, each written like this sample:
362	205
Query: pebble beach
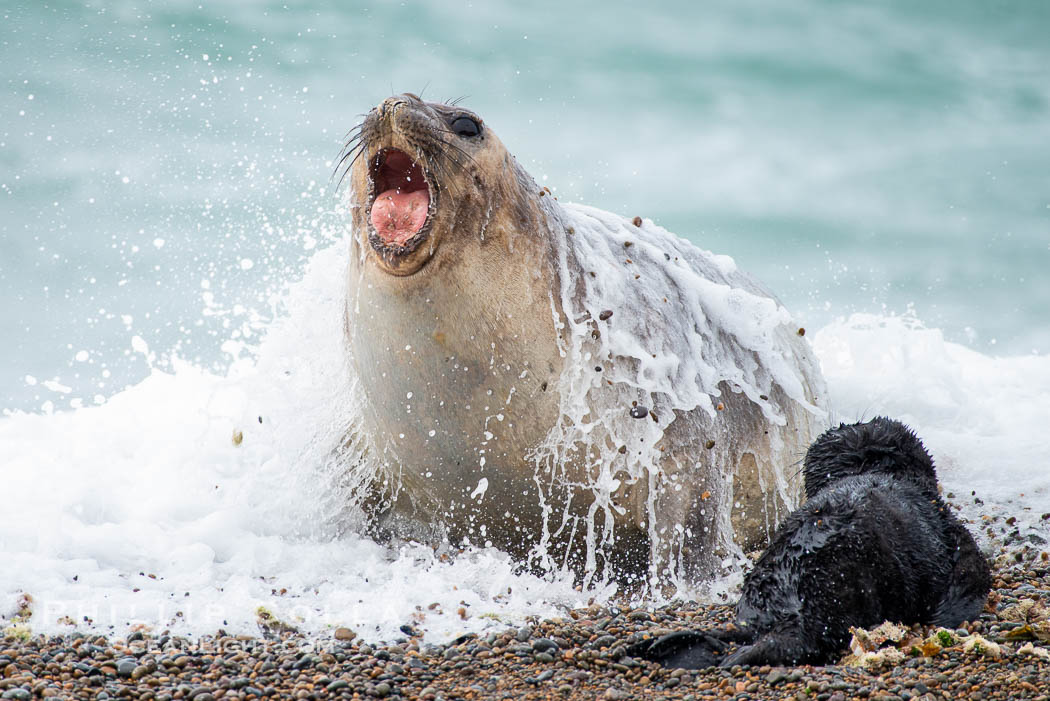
1002	655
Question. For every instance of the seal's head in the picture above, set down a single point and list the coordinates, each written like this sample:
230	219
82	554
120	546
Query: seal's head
418	172
880	446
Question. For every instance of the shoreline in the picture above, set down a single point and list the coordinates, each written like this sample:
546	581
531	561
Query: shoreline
580	655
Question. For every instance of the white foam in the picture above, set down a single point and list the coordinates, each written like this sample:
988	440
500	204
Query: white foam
686	321
100	498
189	500
983	418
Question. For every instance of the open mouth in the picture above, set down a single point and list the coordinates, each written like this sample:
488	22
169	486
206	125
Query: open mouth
401	204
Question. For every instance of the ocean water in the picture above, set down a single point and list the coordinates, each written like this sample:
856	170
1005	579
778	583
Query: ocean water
166	207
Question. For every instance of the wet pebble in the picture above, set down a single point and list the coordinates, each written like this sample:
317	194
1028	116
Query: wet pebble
126	667
581	655
544	645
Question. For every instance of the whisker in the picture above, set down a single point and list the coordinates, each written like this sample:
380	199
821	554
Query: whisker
349	145
360	148
348	152
428	157
451	159
447	178
456	146
352	149
357	127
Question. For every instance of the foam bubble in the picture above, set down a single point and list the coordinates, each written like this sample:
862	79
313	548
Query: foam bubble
188	501
983	417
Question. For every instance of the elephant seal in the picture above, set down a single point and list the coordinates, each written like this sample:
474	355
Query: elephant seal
873	543
580	390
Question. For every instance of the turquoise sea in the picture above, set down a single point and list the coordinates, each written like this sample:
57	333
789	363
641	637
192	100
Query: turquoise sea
164	166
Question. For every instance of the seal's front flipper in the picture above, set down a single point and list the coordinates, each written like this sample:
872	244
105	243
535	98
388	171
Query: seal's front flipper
775	650
686	649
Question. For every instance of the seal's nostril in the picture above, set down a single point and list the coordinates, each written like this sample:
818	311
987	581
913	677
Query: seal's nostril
389	105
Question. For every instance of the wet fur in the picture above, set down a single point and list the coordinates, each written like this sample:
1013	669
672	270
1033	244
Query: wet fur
873	542
470	319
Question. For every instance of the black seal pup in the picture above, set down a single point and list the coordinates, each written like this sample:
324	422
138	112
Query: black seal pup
873	542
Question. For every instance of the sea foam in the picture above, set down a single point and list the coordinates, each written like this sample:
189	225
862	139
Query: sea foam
192	499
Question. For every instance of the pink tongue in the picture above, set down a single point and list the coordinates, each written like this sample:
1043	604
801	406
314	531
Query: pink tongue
398	216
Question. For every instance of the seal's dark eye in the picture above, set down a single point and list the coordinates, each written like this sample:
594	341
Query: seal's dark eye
465	126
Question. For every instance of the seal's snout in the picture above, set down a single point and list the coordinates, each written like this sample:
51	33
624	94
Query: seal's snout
402	197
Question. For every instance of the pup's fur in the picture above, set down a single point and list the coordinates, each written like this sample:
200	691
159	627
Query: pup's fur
873	542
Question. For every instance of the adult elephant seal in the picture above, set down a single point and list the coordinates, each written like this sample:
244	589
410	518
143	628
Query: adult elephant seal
577	389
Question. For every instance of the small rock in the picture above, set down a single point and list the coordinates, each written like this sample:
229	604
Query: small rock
344	634
541	677
524	633
383	689
126	667
543	644
616	694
